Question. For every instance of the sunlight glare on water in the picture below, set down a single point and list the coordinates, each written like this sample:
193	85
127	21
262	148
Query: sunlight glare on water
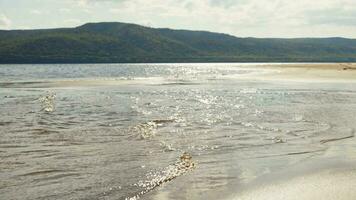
161	131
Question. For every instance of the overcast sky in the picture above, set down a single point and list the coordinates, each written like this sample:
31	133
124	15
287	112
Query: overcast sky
243	18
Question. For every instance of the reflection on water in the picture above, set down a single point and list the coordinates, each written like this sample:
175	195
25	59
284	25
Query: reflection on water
157	178
48	102
118	131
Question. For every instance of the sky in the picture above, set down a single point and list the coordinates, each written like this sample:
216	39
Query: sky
242	18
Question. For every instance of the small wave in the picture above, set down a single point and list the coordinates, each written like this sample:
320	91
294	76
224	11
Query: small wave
149	129
42	172
249	91
5	123
48	101
179	83
342	133
9	97
146	130
278	139
23	84
293	153
203	147
157	178
58	176
12	146
167	147
42	131
163	121
336	139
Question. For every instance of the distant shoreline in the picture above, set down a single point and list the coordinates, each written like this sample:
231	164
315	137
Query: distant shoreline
115	42
270	72
217	62
311	72
335	65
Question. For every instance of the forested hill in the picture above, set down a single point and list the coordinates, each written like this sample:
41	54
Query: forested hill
121	42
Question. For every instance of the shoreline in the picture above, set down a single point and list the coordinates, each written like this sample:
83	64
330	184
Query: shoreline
327	179
334	66
282	72
189	62
310	72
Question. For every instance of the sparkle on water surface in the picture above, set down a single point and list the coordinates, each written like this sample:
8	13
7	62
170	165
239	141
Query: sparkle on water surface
161	131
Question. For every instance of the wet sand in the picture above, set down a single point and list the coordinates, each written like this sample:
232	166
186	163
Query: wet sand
326	179
297	72
334	66
329	178
339	72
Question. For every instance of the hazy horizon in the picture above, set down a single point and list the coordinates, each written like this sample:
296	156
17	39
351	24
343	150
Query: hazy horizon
241	18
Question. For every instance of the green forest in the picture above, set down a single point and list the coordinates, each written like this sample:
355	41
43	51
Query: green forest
114	42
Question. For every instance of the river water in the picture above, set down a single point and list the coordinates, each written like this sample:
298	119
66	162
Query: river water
162	131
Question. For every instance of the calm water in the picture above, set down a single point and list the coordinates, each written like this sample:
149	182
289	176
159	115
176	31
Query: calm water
117	131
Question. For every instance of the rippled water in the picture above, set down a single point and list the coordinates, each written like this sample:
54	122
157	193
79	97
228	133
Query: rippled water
161	131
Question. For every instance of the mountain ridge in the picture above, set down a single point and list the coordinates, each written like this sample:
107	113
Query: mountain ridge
115	42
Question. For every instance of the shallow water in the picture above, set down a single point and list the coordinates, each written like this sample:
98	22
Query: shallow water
117	131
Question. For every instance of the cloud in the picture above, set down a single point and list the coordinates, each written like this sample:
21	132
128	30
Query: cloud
36	12
72	22
64	10
5	22
337	15
227	3
85	3
248	13
274	18
260	18
82	3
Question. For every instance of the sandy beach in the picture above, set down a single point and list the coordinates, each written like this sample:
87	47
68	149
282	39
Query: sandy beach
285	72
334	66
317	180
311	71
328	178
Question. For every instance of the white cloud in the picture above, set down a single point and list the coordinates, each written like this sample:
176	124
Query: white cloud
82	3
260	18
36	12
86	3
64	10
263	18
72	22
5	22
